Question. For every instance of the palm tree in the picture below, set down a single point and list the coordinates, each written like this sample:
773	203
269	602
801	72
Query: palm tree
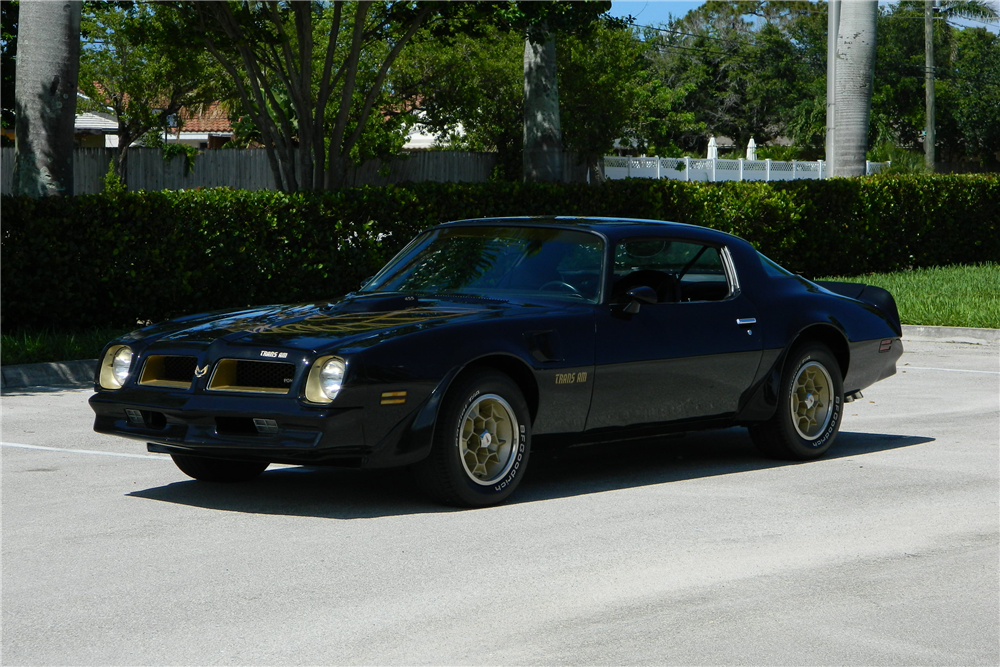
855	72
543	149
966	9
48	61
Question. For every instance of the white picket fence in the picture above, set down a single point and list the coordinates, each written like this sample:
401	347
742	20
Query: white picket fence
714	169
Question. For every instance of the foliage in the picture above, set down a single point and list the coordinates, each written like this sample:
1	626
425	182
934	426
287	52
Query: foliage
949	296
32	346
116	259
132	64
608	92
113	184
967	83
902	161
469	90
311	76
747	69
171	150
976	91
8	59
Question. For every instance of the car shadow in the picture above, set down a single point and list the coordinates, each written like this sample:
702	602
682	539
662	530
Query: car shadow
334	493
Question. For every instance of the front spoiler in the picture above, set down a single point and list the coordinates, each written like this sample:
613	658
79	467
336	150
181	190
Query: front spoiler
302	437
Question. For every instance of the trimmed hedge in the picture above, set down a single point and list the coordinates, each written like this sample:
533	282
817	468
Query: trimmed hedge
101	260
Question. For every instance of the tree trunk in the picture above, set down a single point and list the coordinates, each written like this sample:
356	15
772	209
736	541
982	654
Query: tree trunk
48	62
543	148
855	73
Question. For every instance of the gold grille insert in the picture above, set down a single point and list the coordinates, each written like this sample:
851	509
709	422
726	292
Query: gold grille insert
168	371
259	377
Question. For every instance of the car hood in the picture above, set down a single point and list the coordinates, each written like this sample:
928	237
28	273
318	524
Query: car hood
356	321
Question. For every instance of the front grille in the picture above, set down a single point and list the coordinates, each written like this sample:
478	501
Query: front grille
269	377
264	374
168	371
179	369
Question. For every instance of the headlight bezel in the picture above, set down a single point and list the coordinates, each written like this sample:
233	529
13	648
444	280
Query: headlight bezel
110	377
315	391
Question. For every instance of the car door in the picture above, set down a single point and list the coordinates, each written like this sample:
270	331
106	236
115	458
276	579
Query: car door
690	355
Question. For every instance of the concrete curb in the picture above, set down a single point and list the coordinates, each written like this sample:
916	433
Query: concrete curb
952	334
82	372
58	373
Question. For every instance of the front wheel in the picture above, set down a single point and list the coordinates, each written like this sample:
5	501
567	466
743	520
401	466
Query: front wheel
218	470
810	407
481	443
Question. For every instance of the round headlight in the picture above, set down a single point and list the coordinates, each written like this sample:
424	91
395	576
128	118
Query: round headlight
115	366
121	364
331	378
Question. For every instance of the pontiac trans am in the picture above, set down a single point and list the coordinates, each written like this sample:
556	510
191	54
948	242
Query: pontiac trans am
484	337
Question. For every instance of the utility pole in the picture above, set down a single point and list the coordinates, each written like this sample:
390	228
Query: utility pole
929	134
832	28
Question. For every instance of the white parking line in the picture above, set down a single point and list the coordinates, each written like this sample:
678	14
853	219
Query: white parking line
82	451
947	370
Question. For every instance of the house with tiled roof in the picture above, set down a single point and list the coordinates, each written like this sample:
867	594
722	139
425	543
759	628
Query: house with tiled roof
206	128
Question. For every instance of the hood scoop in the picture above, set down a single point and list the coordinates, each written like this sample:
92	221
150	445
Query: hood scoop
377	303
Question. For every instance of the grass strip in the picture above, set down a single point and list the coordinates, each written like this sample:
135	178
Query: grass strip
32	347
949	296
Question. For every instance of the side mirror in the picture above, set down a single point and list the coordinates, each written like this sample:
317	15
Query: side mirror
638	296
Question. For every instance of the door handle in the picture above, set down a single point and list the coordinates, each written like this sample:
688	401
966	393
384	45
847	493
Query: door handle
746	321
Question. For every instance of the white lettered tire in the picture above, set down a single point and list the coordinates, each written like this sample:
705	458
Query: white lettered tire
482	440
810	407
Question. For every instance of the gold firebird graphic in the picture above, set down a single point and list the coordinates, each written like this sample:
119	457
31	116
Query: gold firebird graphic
352	323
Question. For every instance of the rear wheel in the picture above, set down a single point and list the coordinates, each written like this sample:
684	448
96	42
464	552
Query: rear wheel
810	407
481	443
218	470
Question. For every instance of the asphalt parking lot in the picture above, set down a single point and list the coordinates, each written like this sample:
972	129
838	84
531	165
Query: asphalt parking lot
676	551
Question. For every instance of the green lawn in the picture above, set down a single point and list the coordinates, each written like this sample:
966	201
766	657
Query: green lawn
955	296
951	296
29	347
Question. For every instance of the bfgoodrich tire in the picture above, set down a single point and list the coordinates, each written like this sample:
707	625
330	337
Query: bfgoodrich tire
218	470
810	407
481	443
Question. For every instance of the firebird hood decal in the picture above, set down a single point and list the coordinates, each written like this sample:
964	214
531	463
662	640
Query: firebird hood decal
356	323
307	326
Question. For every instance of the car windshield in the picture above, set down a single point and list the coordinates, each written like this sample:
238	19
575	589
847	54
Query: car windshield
497	262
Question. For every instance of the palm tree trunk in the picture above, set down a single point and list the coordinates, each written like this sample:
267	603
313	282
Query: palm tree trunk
543	148
855	73
48	62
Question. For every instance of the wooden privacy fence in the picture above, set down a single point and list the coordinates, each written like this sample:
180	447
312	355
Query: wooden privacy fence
249	170
714	169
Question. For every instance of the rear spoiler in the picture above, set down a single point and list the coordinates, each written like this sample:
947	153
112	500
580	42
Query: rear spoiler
870	294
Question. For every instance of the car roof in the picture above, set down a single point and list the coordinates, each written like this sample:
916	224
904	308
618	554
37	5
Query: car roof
612	228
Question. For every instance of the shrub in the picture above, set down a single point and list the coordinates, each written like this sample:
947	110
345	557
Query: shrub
114	258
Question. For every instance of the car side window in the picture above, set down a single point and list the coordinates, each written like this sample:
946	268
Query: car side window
679	271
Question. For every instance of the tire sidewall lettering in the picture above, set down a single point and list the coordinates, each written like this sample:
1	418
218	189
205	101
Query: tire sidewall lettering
517	464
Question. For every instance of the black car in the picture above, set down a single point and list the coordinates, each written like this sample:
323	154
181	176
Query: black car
483	338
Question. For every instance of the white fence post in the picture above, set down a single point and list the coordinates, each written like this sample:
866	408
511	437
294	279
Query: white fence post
687	169
767	169
741	169
714	160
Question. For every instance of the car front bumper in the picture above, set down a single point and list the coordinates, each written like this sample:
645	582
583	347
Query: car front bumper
242	428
